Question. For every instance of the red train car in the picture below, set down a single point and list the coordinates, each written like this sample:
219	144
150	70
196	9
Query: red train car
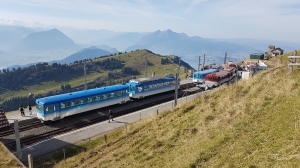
217	79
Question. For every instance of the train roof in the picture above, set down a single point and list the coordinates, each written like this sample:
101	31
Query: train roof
80	94
150	79
206	71
220	73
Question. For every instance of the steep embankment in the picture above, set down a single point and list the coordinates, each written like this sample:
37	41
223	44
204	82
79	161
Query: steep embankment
6	158
254	123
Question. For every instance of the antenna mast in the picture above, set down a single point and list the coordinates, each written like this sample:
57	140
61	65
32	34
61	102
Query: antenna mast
146	63
84	76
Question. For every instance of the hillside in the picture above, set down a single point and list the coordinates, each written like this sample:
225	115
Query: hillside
86	53
253	123
44	79
7	159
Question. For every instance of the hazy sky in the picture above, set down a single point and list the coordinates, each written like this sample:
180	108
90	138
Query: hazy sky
260	19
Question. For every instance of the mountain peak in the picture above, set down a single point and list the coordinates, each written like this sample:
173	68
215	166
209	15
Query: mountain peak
45	41
93	47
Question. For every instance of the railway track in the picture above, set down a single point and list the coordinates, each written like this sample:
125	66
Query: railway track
29	140
23	127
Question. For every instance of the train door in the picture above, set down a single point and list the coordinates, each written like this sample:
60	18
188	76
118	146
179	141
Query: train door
56	111
123	96
140	91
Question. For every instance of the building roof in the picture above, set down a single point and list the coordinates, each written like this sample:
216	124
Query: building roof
281	50
271	47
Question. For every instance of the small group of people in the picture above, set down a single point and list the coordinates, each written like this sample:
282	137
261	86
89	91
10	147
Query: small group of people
21	109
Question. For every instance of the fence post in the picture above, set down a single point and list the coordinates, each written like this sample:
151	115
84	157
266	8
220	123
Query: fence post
140	116
157	112
64	155
30	161
105	138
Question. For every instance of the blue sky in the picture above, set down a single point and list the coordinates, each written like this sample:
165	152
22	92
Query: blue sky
258	19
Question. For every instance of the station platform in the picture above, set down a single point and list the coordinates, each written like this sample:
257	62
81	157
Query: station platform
16	115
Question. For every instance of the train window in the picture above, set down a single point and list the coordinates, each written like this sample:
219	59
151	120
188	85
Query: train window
101	97
85	101
139	89
65	105
108	96
93	99
146	88
56	107
131	89
76	102
39	108
48	109
118	94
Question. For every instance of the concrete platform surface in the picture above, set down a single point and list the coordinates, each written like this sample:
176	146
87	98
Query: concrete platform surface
16	115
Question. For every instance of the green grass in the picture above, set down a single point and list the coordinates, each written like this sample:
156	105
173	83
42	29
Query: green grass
254	123
132	59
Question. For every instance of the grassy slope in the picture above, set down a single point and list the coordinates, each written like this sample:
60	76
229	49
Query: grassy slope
132	59
254	123
6	160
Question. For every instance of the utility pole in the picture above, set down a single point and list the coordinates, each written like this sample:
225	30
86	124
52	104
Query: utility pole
203	61
199	63
146	63
17	134
236	75
176	84
176	90
178	66
84	75
225	58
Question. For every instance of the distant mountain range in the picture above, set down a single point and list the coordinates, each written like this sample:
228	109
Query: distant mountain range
87	53
21	45
190	48
45	41
108	48
10	35
122	41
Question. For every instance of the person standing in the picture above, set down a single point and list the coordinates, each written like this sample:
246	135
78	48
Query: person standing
110	115
29	109
22	111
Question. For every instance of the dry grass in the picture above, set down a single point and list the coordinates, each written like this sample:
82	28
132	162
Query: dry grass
254	123
6	160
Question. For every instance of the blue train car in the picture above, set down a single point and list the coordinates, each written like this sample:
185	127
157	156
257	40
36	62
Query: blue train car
59	106
199	77
142	87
